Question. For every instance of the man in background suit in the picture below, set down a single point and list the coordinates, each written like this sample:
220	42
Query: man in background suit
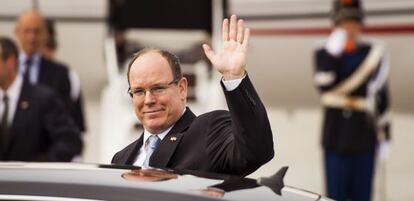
34	124
237	141
48	51
37	69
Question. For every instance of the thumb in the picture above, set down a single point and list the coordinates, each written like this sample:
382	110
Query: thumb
208	51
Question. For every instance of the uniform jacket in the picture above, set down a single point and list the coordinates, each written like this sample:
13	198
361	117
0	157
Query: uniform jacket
345	130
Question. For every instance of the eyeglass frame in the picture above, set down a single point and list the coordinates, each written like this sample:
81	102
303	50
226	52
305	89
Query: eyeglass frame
175	81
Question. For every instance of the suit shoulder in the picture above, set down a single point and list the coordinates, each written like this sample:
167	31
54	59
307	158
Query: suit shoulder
130	146
122	153
213	116
42	90
41	96
43	93
214	113
55	65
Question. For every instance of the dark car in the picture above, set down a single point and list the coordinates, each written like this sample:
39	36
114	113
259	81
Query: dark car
69	181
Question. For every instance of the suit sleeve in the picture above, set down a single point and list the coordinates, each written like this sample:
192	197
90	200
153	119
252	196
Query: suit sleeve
241	140
64	135
78	114
69	90
64	86
77	100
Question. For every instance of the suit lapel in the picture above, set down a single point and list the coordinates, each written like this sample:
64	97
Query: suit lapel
22	113
132	153
166	149
43	72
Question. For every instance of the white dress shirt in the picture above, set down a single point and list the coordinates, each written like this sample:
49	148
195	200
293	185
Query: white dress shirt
142	151
34	68
230	85
13	92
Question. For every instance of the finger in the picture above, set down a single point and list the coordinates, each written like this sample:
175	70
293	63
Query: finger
233	27
240	30
225	30
245	42
208	51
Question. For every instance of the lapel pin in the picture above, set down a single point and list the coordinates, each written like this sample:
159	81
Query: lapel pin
24	105
173	138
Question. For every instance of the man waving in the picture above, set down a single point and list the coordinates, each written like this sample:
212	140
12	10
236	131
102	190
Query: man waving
237	141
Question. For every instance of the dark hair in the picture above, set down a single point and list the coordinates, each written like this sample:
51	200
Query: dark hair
8	48
171	58
51	42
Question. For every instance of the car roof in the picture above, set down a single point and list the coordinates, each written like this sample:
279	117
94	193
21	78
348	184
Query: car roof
107	182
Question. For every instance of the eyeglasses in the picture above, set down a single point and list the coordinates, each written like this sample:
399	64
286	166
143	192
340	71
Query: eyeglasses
156	90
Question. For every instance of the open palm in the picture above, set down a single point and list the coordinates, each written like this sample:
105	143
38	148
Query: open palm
230	61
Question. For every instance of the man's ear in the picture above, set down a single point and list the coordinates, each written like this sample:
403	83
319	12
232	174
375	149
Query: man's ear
183	86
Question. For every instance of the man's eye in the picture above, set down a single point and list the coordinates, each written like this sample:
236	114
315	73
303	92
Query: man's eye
158	89
139	92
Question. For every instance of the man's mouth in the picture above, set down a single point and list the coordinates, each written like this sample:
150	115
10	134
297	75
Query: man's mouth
152	111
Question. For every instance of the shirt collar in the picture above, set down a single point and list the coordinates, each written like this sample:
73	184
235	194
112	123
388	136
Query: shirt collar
35	59
23	56
161	135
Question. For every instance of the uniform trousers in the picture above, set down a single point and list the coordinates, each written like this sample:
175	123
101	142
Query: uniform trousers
349	176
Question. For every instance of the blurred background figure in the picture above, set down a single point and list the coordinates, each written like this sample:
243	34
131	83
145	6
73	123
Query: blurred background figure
50	44
34	124
38	45
48	50
351	75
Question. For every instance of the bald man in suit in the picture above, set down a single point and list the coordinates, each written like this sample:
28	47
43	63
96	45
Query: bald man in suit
37	68
237	141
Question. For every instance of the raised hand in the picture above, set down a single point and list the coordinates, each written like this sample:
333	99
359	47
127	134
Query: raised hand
230	61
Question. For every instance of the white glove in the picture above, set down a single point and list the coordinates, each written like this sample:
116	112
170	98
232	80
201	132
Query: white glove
384	150
336	42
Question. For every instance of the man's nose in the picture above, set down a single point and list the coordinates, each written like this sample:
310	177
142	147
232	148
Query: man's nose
149	98
32	34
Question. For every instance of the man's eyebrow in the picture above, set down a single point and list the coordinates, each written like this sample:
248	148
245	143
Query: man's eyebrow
137	89
153	85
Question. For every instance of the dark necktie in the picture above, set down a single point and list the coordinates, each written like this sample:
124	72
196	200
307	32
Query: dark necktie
4	124
152	143
28	64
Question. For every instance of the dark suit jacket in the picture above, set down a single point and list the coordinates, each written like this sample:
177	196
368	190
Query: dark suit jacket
56	76
237	141
42	130
346	131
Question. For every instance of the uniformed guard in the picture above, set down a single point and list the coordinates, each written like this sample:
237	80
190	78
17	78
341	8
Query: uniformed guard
351	76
